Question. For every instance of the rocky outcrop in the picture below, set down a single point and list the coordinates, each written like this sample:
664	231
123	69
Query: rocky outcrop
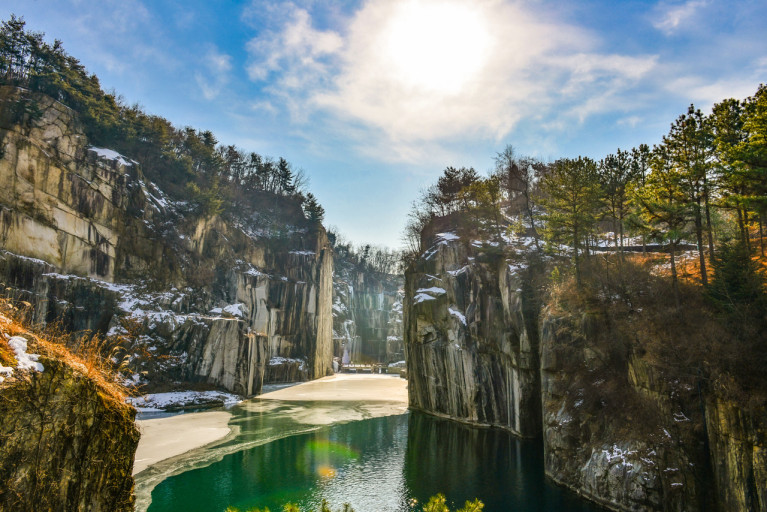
471	341
223	300
738	444
367	315
67	442
488	344
616	430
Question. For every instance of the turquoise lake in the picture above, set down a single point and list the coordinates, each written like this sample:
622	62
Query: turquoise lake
389	463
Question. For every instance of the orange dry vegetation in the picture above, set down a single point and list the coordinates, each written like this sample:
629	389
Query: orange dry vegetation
90	362
687	265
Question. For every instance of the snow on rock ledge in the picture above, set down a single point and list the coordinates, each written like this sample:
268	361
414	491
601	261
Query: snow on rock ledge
176	400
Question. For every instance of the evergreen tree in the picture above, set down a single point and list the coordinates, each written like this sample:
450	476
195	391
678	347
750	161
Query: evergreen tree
640	165
284	177
733	175
689	144
572	201
312	209
664	205
615	174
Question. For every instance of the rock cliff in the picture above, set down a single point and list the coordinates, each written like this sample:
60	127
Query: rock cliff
68	440
615	430
228	300
489	343
471	338
367	315
738	444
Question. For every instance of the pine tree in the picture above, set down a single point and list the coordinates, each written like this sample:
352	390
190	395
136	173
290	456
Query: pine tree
615	174
573	201
664	205
689	146
314	212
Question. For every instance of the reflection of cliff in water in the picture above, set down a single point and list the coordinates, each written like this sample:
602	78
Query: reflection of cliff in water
378	464
465	462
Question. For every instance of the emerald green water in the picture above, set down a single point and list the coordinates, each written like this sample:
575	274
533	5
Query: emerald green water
389	463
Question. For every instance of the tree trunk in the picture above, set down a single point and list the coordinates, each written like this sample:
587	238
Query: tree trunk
674	280
699	240
575	256
708	219
761	234
741	226
620	225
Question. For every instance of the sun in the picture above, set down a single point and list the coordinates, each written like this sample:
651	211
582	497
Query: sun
436	46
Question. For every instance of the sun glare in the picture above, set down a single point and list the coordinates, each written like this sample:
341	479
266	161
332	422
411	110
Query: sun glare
436	46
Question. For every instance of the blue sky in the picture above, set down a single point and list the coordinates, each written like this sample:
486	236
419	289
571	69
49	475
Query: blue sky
373	99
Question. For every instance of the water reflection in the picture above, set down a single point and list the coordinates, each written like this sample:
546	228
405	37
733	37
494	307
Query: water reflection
379	464
465	462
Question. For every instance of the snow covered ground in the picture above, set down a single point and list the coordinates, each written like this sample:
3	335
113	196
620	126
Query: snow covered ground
24	360
174	400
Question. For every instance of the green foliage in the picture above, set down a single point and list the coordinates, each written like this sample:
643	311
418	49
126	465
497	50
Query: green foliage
182	162
438	504
573	201
738	286
209	202
616	173
435	504
312	209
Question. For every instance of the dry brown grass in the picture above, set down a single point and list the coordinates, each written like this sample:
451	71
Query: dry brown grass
639	314
91	358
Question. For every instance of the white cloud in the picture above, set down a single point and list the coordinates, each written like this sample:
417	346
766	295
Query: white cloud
631	121
704	92
671	17
421	74
215	75
297	51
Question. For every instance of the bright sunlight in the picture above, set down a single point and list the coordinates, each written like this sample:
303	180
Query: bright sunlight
435	46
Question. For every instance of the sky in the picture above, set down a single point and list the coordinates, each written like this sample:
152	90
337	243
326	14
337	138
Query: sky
373	99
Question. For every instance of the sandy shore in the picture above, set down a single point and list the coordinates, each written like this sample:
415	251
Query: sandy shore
164	438
346	387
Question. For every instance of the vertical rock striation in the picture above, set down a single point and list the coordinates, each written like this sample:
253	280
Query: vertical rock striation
615	430
228	300
738	443
470	353
367	315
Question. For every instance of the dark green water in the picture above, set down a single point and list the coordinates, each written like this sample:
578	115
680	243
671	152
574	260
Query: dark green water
379	464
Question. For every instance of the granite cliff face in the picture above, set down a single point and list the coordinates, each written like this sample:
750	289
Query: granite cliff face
486	345
616	430
68	441
471	343
738	444
226	300
367	315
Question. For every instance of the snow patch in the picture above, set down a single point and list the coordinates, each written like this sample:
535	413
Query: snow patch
275	361
421	297
25	360
460	316
156	402
110	154
434	290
